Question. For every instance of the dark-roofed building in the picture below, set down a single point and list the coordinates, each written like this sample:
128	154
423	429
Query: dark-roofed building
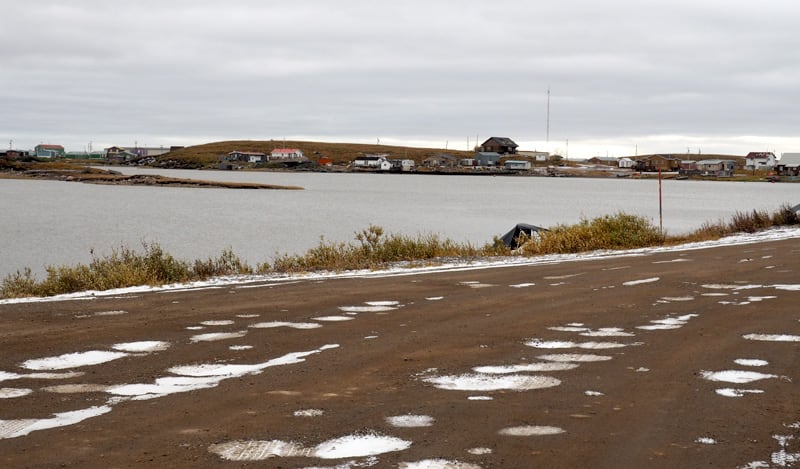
788	165
658	163
501	145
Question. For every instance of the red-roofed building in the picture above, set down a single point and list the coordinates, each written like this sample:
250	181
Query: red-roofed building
48	151
760	160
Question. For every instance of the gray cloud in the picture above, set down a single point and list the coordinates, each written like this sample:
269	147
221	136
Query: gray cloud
185	72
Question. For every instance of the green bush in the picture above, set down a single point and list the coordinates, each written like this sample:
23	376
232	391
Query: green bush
620	231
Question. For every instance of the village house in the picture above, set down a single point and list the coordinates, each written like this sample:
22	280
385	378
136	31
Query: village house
402	165
788	165
14	154
149	152
604	160
442	160
247	157
501	145
375	162
118	155
286	154
48	151
760	160
719	168
688	167
626	162
655	163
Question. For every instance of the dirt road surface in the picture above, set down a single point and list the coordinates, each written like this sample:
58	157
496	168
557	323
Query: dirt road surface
678	359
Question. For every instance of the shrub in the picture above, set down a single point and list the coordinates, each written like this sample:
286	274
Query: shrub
226	263
620	231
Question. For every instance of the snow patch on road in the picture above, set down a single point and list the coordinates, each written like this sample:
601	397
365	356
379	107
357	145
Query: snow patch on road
750	362
22	427
479	382
225	322
290	325
73	360
410	421
730	392
531	430
526	367
640	282
334	318
145	346
352	446
12	393
308	413
773	337
557	344
437	464
217	336
735	376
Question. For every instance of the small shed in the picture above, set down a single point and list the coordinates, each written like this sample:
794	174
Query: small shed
518	165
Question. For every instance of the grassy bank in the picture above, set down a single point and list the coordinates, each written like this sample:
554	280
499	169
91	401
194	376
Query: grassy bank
372	249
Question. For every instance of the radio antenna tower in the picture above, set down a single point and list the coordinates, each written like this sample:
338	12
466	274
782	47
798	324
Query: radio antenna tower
548	113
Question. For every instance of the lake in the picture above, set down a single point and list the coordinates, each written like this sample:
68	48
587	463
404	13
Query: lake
57	223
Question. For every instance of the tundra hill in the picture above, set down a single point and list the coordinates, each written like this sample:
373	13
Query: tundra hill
207	155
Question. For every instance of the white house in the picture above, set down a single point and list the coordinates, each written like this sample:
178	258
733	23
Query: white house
626	162
282	154
379	162
406	165
760	160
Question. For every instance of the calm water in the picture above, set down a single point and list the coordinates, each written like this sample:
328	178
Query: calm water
54	223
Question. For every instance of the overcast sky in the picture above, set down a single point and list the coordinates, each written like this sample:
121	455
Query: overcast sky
624	76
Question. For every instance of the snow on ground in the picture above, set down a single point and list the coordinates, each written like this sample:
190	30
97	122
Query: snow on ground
488	263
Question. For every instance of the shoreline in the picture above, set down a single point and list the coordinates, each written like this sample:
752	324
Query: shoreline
403	269
108	177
